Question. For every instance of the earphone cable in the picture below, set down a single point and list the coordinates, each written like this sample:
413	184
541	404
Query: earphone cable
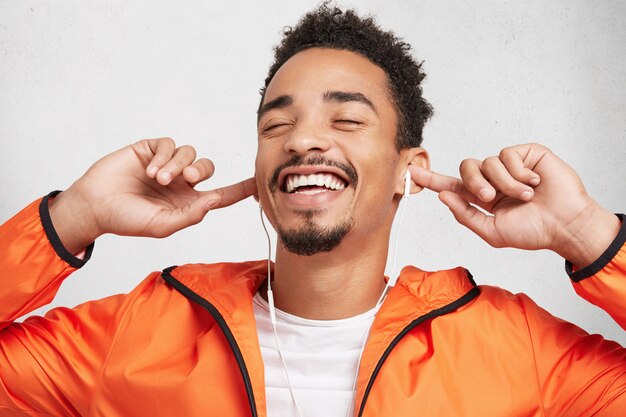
403	203
270	299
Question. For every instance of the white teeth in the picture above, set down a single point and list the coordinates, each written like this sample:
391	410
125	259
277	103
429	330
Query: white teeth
292	182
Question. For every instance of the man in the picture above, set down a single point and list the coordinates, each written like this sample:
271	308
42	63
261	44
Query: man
339	123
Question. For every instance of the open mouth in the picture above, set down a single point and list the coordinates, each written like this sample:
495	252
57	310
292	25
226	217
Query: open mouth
314	183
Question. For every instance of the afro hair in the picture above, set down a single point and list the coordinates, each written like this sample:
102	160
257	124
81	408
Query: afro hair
329	27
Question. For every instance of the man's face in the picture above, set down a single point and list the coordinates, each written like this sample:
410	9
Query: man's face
327	166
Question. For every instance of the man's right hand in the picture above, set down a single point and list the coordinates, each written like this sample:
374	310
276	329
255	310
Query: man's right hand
145	189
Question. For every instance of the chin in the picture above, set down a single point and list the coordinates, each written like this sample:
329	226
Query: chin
310	239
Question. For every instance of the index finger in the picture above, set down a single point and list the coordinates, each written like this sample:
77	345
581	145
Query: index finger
439	182
435	181
234	193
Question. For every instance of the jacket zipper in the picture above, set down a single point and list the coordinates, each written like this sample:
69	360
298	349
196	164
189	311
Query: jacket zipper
469	296
181	288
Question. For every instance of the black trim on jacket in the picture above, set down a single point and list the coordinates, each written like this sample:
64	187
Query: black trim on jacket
192	296
53	237
469	296
603	260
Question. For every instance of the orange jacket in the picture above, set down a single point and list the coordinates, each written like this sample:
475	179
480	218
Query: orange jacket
183	342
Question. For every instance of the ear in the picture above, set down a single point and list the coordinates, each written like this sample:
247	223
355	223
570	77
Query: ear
412	156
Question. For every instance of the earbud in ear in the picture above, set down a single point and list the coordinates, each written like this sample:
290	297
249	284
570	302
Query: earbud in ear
407	184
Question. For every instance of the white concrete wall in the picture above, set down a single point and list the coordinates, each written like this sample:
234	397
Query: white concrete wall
80	79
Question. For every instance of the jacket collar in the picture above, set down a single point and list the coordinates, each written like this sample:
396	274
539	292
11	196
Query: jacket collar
417	295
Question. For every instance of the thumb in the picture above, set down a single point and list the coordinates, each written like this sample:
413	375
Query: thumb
191	214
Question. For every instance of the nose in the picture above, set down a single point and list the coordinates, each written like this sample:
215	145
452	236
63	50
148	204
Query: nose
305	139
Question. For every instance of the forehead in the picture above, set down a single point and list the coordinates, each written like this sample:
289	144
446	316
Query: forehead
314	71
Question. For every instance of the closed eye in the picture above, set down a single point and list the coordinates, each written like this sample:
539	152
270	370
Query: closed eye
348	125
270	128
348	121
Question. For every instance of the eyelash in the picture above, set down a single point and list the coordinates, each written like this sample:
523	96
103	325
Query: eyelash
267	129
348	121
354	122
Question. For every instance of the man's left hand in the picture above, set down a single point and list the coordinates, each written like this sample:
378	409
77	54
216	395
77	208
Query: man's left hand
535	199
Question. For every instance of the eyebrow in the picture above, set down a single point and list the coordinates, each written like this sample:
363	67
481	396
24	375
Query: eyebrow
278	103
336	96
347	96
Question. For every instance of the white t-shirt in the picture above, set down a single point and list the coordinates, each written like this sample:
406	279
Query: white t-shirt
321	358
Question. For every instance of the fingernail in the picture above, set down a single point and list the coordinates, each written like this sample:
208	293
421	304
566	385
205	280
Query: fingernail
485	194
152	171
527	195
535	181
166	176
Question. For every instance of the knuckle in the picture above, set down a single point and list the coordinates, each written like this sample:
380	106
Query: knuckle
475	184
467	165
510	188
205	165
491	161
535	146
166	144
188	150
457	187
506	153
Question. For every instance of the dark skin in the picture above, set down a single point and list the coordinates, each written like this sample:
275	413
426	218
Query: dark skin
128	193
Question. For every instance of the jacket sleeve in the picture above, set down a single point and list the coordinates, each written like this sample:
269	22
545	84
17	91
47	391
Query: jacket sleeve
603	283
48	365
581	374
578	374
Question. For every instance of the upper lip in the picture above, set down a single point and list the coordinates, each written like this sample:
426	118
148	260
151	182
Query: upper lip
311	169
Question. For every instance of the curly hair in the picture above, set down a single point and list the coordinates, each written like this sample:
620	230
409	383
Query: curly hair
330	27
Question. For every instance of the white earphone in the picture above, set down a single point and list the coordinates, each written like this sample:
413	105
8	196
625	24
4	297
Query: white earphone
407	184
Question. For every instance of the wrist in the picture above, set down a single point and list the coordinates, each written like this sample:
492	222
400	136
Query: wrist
70	217
590	236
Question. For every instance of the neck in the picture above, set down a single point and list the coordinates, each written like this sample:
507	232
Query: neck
331	285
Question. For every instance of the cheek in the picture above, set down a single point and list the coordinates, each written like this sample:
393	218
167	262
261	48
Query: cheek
378	184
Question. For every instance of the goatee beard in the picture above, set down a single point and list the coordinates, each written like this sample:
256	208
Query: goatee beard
311	239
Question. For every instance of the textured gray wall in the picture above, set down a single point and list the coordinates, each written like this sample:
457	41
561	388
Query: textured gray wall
80	79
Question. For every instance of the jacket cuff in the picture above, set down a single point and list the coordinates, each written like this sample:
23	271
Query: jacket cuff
53	237
603	260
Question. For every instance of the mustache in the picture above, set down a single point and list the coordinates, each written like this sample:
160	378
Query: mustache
317	160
